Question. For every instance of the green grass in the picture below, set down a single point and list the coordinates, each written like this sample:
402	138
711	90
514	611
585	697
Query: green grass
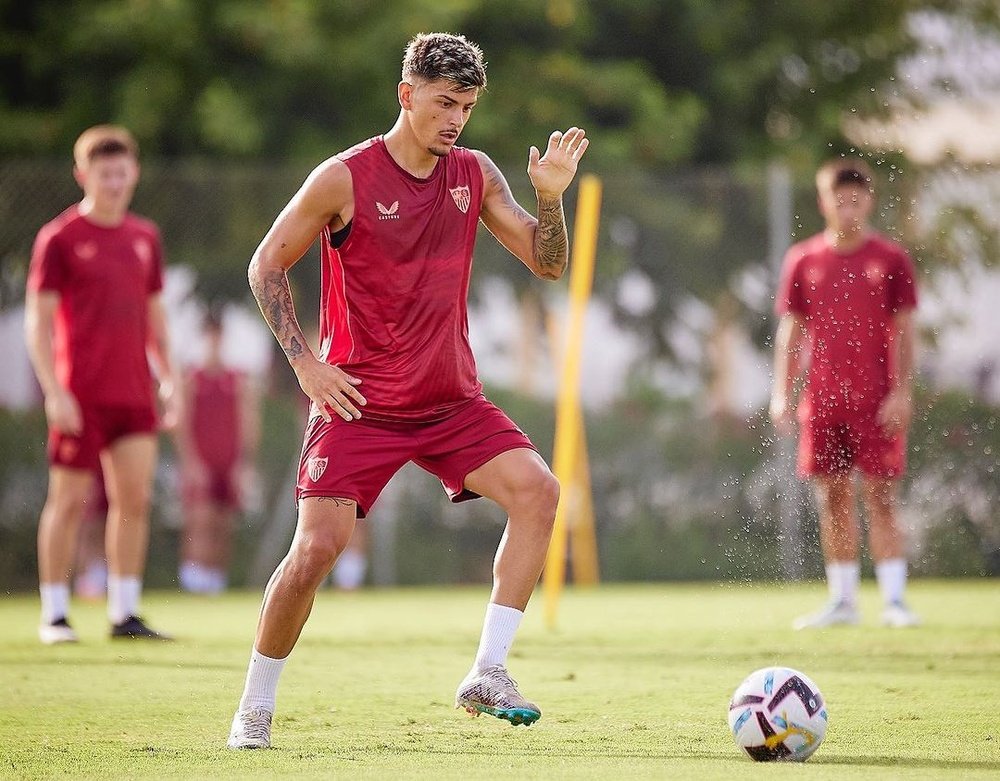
633	684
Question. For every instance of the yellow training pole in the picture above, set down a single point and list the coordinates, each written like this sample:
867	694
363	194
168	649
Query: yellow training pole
568	410
583	536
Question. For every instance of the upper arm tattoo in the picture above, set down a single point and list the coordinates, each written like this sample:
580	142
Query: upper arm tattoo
274	297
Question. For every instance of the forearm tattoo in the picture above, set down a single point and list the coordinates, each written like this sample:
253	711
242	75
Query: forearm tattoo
551	239
274	298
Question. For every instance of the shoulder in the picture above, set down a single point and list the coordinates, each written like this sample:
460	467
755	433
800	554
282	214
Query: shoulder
889	246
493	178
805	250
60	225
142	225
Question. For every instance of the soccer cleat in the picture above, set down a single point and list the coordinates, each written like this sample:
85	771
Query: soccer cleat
834	614
251	729
898	615
57	632
134	628
493	691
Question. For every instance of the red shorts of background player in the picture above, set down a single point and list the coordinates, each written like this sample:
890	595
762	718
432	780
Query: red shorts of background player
829	447
355	459
102	426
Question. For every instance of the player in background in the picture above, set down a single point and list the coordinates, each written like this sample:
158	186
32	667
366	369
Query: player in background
94	319
846	303
395	379
217	437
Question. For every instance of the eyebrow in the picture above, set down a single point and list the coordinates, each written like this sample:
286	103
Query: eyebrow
446	96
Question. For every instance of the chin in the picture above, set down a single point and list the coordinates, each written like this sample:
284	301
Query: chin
439	150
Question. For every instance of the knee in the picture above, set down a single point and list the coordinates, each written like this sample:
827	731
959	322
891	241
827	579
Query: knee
313	557
541	493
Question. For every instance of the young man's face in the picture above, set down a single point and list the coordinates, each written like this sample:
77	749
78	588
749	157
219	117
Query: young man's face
438	111
846	208
109	180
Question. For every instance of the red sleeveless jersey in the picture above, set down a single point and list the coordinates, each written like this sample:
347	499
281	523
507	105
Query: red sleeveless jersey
393	308
215	416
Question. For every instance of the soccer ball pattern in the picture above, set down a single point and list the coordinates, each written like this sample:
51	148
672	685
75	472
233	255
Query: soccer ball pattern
778	714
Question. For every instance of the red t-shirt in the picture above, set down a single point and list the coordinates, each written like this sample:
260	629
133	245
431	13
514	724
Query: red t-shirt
393	308
104	277
215	416
848	302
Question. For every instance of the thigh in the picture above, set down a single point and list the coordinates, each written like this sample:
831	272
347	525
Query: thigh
454	448
351	459
129	463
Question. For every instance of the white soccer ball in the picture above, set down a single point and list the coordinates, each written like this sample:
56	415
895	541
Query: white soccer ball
778	714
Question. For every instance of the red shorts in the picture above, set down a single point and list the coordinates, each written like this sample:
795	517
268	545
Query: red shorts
355	459
102	425
829	447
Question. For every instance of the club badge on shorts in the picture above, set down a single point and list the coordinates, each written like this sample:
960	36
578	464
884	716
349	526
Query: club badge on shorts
463	198
316	466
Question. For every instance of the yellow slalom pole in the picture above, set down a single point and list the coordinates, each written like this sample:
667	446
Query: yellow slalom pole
583	536
568	410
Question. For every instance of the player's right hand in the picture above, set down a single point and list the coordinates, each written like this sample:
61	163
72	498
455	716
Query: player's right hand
62	411
330	388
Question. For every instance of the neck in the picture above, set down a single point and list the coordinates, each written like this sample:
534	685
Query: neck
102	215
404	149
846	241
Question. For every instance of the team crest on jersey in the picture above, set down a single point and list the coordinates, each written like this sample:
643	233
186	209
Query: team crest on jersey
463	198
86	250
316	466
388	212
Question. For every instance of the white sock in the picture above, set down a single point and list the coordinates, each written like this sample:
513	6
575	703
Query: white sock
55	601
891	577
261	687
123	597
842	580
349	573
215	581
499	628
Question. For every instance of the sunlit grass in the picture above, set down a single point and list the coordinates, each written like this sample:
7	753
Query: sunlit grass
633	683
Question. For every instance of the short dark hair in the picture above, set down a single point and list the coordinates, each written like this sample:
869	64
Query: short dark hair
434	56
849	171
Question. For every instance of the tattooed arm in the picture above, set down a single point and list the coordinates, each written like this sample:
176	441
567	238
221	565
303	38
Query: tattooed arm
541	242
326	198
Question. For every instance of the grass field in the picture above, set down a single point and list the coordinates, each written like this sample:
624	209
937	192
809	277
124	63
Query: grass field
633	684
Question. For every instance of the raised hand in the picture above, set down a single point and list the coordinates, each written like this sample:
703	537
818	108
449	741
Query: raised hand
552	172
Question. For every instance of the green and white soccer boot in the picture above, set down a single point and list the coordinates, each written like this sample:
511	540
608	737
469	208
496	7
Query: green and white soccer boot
494	692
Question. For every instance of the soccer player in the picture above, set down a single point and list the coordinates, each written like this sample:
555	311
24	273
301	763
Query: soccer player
846	303
217	437
93	320
395	380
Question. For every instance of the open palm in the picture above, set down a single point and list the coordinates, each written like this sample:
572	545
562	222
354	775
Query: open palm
552	172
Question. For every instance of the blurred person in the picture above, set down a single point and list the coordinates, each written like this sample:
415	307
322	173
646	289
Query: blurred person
846	301
217	437
91	569
94	320
395	379
352	565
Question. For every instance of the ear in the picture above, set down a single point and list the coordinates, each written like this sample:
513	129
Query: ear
404	91
79	176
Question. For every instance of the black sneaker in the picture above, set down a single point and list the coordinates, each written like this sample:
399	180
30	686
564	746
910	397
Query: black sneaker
134	628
